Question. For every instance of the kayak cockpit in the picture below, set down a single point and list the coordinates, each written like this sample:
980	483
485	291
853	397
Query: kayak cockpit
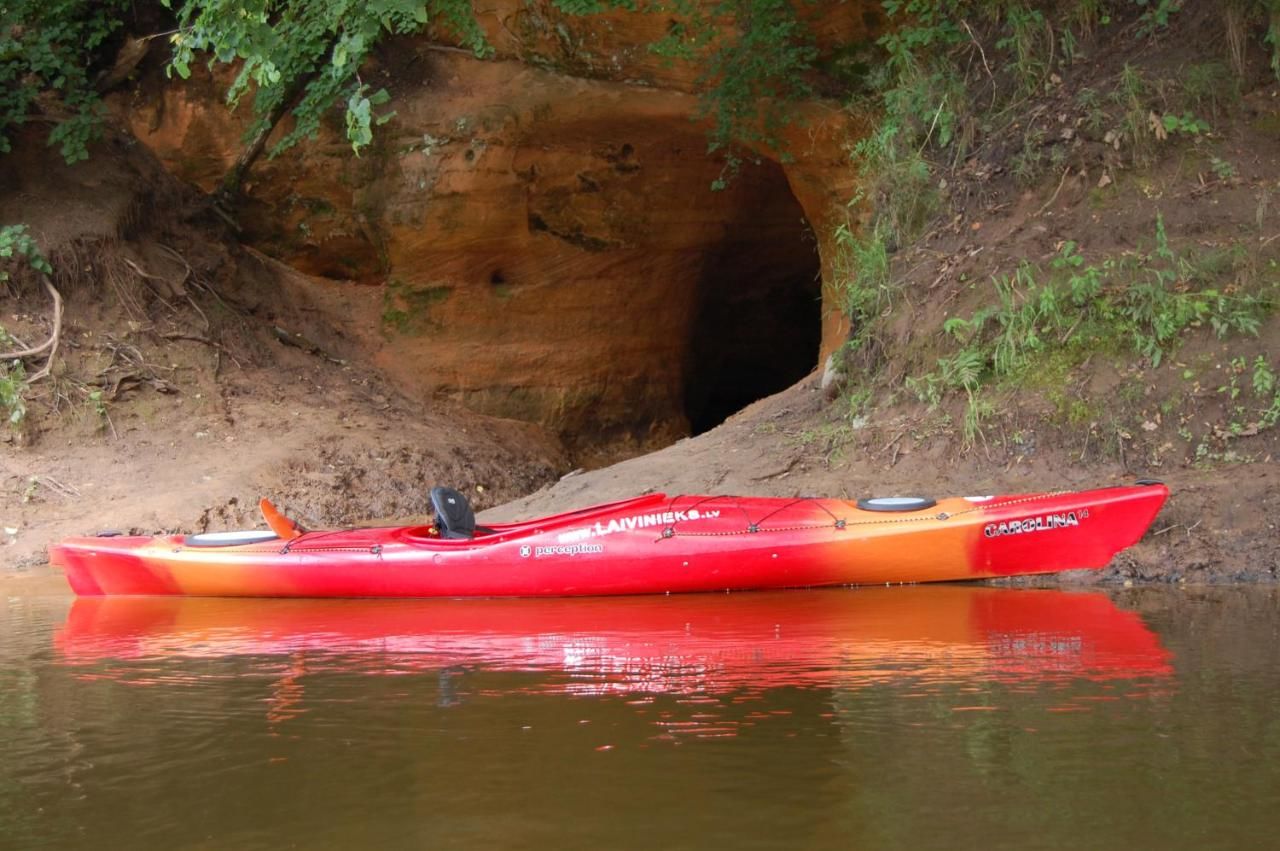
497	532
230	539
453	523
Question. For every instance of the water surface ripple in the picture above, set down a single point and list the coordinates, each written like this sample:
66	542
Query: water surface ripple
927	717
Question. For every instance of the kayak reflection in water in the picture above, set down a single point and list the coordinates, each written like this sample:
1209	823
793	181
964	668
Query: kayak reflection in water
707	644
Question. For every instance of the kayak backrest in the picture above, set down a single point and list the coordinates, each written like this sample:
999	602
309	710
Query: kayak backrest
454	517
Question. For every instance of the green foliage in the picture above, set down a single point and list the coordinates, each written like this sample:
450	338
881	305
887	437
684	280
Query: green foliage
925	106
1271	8
1029	40
1266	388
765	64
923	97
581	7
305	56
1035	157
937	43
1157	15
1138	303
50	51
1086	15
1210	86
1069	47
1242	422
16	243
1264	378
896	179
1090	103
1132	94
98	403
13	386
1232	388
1186	123
755	58
360	118
1038	317
1223	169
861	274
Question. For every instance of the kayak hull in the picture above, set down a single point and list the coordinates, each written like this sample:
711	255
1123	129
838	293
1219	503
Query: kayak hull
650	544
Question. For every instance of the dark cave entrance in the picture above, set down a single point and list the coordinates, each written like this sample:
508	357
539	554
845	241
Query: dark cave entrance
757	324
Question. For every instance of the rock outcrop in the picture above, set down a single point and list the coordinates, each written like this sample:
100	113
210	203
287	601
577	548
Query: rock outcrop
548	247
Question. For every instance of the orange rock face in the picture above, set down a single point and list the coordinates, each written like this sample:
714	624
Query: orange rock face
549	248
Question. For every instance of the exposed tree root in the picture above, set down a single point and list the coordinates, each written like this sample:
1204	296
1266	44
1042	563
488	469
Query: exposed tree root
49	347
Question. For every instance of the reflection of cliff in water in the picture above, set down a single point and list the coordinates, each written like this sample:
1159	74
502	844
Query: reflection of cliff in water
689	644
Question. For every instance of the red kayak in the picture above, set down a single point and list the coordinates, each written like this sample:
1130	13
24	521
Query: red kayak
645	545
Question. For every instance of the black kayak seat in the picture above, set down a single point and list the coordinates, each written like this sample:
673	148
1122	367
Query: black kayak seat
453	515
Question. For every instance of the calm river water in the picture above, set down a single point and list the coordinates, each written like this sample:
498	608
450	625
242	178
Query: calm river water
927	717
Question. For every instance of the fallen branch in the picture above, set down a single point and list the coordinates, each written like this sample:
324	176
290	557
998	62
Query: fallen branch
300	342
66	491
114	387
892	441
1054	196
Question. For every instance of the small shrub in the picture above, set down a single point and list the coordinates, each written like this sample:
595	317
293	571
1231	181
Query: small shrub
1157	14
13	386
1186	124
1221	168
16	243
861	273
1210	86
1142	304
1029	40
1095	116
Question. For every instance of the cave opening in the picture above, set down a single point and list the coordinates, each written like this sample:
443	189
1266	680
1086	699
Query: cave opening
642	305
757	323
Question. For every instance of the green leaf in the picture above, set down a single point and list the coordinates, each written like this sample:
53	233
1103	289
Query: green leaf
310	53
